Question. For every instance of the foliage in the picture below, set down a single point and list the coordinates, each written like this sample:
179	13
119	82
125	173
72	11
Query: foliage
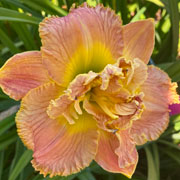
19	21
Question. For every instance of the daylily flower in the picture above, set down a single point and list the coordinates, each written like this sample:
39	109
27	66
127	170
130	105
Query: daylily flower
89	94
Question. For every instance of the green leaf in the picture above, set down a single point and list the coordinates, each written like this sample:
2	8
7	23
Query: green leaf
71	177
174	70
38	177
176	77
86	175
152	171
2	95
5	104
156	158
170	144
21	164
121	6
68	3
157	2
8	139
174	16
173	154
172	8
6	50
1	163
8	42
137	16
18	152
45	5
25	35
11	15
18	4
6	123
164	66
60	3
165	52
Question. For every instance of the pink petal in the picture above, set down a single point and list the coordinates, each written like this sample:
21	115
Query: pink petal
59	148
117	153
139	40
87	39
68	103
32	113
159	92
21	73
139	75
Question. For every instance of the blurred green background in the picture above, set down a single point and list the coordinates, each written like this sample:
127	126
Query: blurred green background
19	21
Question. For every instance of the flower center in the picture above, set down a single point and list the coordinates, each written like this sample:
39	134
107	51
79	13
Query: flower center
113	96
92	58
